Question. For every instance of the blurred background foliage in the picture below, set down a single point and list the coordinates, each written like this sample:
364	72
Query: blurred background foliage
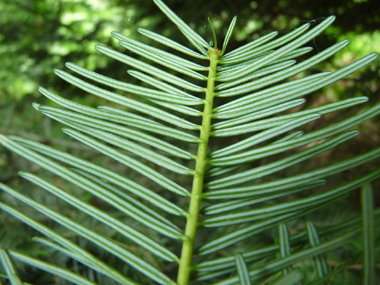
37	36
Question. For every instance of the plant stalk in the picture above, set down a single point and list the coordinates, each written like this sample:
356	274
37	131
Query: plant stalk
195	200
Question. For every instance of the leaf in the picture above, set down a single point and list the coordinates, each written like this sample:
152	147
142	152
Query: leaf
316	174
227	263
118	116
369	276
228	34
155	112
108	220
274	266
69	247
242	233
242	270
170	43
239	203
132	147
97	190
55	270
281	51
183	62
285	249
320	261
99	240
248	51
167	63
192	36
9	268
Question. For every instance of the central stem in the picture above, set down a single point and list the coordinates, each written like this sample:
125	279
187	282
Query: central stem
192	221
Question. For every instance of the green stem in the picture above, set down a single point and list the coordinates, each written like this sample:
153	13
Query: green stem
192	221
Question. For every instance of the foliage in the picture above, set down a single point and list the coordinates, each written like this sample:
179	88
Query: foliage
160	126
